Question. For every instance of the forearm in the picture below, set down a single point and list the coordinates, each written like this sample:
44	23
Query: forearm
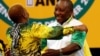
77	42
43	31
70	49
64	51
80	28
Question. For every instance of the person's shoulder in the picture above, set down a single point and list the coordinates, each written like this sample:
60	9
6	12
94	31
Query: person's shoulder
75	22
55	23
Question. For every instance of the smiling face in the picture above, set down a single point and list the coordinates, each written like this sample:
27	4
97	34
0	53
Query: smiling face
63	10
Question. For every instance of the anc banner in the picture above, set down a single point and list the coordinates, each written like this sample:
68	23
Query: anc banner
42	11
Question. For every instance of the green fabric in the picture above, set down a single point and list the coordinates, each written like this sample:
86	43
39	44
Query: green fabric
78	37
43	43
55	34
57	31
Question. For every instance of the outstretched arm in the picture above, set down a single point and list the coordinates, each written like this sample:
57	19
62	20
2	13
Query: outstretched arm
43	31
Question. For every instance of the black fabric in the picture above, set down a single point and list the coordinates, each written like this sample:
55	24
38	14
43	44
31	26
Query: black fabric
95	51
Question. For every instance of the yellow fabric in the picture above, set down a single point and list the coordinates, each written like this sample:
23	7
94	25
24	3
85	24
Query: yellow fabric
86	49
27	43
68	30
30	38
41	31
1	52
43	51
37	31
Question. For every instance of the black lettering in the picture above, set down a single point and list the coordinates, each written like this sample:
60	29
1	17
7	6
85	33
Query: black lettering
40	2
52	2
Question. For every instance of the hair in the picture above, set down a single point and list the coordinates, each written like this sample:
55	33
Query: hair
16	12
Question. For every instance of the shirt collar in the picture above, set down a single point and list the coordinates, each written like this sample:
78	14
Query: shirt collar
66	22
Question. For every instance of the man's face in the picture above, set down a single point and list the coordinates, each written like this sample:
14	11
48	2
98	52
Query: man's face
62	12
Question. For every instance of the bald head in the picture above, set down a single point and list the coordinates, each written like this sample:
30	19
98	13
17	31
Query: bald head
67	3
17	13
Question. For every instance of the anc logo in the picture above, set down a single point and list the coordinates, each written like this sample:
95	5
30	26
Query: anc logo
42	10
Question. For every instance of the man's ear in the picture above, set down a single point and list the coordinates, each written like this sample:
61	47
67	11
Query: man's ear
26	14
73	15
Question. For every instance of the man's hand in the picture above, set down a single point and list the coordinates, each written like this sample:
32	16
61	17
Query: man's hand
80	28
51	52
